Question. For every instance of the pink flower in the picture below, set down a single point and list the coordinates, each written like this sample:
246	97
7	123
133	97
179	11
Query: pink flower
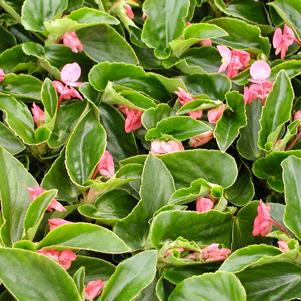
233	60
71	40
105	166
2	75
129	12
282	40
283	246
163	147
64	258
133	118
38	115
69	76
263	223
214	253
215	114
54	205
260	71
93	289
201	139
56	222
184	97
203	204
206	42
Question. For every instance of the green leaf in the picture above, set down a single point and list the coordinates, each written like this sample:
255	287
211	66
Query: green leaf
247	144
79	279
152	116
84	148
48	281
241	35
84	236
165	22
35	13
177	127
9	57
120	144
15	198
131	277
8	40
291	178
134	228
10	141
276	112
244	257
49	99
291	67
205	228
232	120
210	287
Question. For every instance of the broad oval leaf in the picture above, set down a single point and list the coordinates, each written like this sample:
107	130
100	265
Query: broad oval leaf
10	141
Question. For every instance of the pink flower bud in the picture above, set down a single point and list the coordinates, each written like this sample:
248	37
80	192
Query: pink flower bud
206	42
263	223
133	118
64	258
163	147
2	75
129	12
105	166
71	40
56	206
297	115
214	253
201	139
283	246
93	289
56	222
282	40
215	114
204	204
38	115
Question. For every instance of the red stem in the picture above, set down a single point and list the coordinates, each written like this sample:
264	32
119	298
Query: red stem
279	226
292	144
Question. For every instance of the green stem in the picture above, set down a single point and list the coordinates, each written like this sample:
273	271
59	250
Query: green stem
10	10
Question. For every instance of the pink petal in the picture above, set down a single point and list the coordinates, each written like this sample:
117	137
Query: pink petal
260	71
289	33
38	115
56	222
129	12
215	114
35	192
201	139
71	40
2	75
277	37
283	246
57	206
70	73
164	147
105	166
203	204
93	289
225	53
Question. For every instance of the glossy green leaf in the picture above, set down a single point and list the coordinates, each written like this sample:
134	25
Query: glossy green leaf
15	198
291	67
55	284
130	277
49	99
232	120
35	13
165	22
152	116
134	228
84	148
8	40
276	112
9	141
210	287
84	236
206	228
291	178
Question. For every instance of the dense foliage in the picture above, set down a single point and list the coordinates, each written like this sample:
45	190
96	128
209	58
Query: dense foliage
150	150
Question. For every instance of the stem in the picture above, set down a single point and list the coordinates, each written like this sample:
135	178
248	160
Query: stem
298	42
10	10
292	144
279	226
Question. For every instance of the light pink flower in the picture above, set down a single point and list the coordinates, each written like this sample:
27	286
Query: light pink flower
2	75
38	115
129	12
105	166
215	114
64	258
56	222
233	60
283	246
184	97
71	40
133	118
201	139
214	253
93	289
263	223
203	204
260	71
282	40
206	42
163	147
54	205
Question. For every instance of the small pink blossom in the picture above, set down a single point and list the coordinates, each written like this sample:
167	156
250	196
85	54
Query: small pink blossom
214	253
263	223
215	114
93	289
282	40
163	147
2	75
201	139
204	204
105	166
233	60
64	258
38	115
206	42
283	246
54	205
71	40
53	223
184	97
133	118
129	12
260	71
